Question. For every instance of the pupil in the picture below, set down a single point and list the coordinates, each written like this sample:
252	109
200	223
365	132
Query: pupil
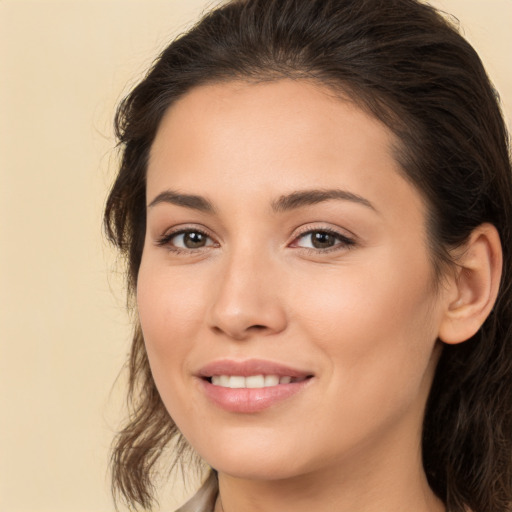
322	240
194	240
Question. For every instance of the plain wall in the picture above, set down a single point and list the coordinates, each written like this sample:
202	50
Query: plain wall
64	334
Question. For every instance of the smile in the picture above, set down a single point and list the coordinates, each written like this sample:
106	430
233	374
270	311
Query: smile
252	381
251	386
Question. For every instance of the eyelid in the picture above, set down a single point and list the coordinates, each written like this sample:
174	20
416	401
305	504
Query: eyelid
347	241
165	239
319	226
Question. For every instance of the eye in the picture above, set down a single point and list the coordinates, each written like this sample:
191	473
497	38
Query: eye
186	239
322	239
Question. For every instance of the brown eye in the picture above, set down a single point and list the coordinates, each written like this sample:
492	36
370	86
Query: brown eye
322	240
187	239
194	240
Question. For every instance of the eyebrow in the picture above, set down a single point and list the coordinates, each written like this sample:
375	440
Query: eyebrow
187	200
310	197
284	203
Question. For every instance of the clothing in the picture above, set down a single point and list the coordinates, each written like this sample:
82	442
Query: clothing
204	499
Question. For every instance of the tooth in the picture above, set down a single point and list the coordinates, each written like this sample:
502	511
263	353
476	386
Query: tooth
271	380
252	381
236	381
224	381
255	381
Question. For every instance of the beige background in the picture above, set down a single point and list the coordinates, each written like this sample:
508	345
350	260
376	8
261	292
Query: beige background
63	331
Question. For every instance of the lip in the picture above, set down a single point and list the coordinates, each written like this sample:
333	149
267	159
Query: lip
250	400
250	367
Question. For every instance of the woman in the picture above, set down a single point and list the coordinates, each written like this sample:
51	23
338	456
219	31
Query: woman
315	202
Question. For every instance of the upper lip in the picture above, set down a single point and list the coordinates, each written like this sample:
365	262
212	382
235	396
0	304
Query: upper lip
249	367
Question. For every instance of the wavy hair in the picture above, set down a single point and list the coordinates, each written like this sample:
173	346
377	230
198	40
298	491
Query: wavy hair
406	64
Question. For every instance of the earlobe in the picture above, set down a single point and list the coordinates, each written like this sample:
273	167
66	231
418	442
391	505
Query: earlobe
474	287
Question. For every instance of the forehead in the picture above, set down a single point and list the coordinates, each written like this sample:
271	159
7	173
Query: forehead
307	108
274	138
289	119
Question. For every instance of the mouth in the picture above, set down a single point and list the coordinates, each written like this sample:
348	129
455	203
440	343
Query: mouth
251	386
253	381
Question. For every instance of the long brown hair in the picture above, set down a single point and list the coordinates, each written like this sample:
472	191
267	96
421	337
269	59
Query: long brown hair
406	64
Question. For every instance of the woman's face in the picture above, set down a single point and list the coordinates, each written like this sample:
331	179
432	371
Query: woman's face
286	293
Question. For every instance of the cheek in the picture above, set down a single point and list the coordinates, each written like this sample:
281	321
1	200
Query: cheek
377	326
169	302
170	306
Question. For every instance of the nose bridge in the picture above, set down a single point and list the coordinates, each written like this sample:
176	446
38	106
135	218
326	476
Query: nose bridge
248	298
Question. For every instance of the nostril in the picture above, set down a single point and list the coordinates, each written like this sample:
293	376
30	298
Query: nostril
239	324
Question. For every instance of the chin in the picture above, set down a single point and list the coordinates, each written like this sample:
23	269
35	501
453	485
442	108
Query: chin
257	470
253	461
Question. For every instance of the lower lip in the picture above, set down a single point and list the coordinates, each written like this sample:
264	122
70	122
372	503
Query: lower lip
250	400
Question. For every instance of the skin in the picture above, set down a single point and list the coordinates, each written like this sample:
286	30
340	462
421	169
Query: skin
363	317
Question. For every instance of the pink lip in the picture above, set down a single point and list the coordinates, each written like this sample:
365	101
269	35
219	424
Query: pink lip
250	400
249	367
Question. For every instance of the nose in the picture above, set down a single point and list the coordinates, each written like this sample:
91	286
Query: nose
249	298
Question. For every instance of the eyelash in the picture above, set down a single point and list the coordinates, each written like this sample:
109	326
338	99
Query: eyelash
344	242
165	240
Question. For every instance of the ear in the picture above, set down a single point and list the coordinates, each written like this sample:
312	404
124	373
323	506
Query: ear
473	288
